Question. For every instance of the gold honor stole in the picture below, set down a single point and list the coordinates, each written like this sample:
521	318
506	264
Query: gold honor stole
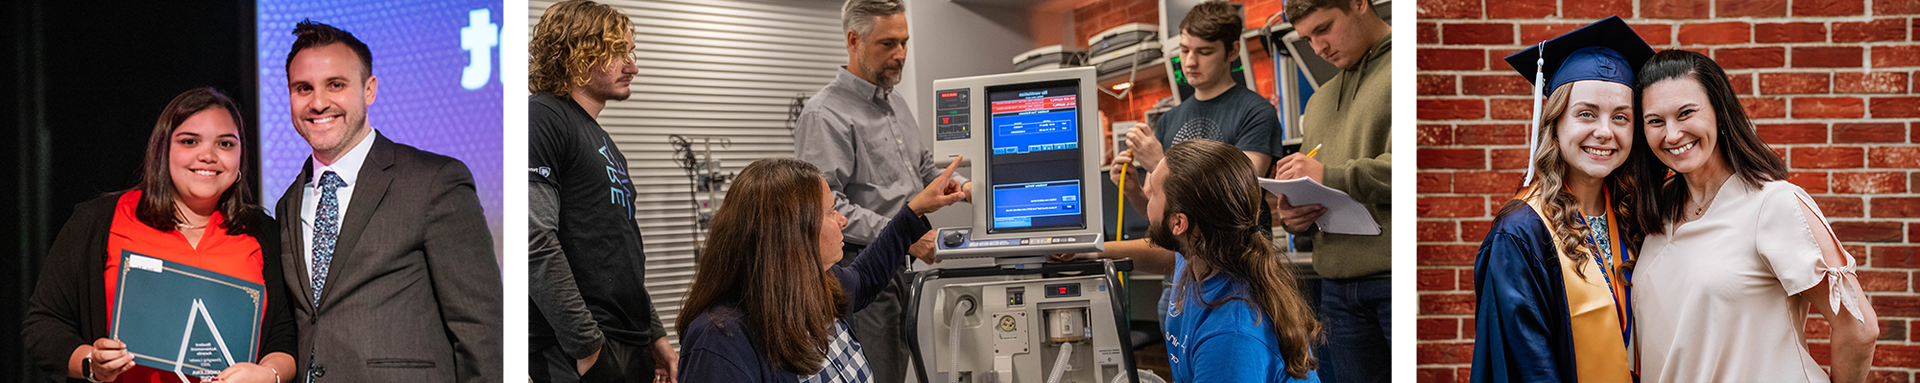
1595	303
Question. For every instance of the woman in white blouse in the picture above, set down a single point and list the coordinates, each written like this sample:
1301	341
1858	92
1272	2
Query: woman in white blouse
1734	254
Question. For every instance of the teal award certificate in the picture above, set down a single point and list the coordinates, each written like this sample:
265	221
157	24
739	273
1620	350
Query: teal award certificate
185	319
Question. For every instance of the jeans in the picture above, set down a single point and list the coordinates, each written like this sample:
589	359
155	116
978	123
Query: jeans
1357	316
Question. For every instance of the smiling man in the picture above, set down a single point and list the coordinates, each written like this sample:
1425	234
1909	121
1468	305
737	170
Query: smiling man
389	254
1349	120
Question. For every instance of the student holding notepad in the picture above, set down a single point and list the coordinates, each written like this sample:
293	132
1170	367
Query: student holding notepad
193	207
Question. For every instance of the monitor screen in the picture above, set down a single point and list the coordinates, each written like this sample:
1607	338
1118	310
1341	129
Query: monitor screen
1035	162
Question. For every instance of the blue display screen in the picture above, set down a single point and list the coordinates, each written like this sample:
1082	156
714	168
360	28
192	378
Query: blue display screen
1036	161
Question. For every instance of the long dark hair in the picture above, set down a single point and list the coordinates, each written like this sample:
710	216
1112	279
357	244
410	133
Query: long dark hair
1212	183
768	264
157	208
1750	159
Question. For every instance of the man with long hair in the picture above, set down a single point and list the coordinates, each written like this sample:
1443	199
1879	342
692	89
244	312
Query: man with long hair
592	319
1236	314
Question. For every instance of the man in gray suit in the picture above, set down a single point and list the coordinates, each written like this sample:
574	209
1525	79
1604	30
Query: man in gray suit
389	254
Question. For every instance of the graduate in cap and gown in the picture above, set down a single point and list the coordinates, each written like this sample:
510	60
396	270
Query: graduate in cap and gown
1551	289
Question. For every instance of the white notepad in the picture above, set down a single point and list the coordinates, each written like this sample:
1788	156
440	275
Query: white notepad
1344	215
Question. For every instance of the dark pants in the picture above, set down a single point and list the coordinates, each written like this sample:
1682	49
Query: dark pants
878	327
619	362
1358	318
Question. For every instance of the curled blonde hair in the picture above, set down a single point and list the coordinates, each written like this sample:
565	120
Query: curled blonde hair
1558	205
571	38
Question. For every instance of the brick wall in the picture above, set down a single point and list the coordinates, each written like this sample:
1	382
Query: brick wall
1831	84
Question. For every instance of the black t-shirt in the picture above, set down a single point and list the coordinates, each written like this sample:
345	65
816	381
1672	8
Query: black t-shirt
571	152
1238	117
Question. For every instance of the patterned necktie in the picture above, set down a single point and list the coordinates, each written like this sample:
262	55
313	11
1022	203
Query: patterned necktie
326	229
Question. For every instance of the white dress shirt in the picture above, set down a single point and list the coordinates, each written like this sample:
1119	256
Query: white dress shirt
348	168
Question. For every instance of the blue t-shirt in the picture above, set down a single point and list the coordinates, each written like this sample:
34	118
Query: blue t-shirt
1222	344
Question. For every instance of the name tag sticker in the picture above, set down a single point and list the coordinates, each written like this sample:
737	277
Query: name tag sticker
145	263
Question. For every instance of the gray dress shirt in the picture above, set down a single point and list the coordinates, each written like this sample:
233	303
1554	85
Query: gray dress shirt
864	139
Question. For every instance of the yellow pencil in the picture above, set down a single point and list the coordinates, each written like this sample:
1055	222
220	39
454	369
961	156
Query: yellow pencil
1120	224
1316	149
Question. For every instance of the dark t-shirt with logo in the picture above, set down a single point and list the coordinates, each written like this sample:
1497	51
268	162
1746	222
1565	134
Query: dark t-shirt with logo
1238	117
570	151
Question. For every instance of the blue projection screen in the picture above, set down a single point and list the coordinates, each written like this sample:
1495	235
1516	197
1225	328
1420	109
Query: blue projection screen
438	65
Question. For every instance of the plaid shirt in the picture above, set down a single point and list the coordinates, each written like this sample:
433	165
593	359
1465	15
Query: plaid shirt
845	362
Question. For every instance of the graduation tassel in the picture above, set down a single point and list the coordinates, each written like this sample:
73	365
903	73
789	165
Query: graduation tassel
1533	135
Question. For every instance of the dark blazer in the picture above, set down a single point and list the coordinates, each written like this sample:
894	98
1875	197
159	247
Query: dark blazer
413	293
69	308
1524	332
718	346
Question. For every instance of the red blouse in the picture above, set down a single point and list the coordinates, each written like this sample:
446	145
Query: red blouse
235	255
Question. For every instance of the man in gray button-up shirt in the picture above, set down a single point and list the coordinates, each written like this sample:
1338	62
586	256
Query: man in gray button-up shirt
862	136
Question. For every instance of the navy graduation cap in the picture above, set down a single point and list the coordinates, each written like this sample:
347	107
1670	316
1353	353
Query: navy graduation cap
1606	50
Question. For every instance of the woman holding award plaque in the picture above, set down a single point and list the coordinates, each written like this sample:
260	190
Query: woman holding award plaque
193	210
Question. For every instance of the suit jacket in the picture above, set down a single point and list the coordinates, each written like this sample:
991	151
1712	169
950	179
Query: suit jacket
413	292
69	309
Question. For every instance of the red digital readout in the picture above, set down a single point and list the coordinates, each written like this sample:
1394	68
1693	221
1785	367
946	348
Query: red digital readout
1032	104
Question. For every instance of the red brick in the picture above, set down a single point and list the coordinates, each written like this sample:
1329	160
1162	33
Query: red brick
1445	255
1476	34
1437	328
1445	59
1895	7
1813	182
1654	34
1434	207
1818	328
1498	183
1451	109
1790	33
1898	157
1447	9
1869	132
1466	284
1821	352
1426	33
1889	376
1896	207
1436	85
1507	159
1873	82
1435	375
1753	8
1876	30
1491	134
1785	83
1444	353
1893	330
1895	107
1433	182
1511	108
1434	280
1792	133
1829	7
1742	83
1895	355
1826	57
1433	134
1497	59
1877	280
1435	231
1521	9
1869	182
1476	232
1466	373
1536	33
1506	84
1844	207
1766	107
1597	9
1827	158
1828	107
1895	56
1748	58
1675	9
1731	32
1897	256
1868	232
